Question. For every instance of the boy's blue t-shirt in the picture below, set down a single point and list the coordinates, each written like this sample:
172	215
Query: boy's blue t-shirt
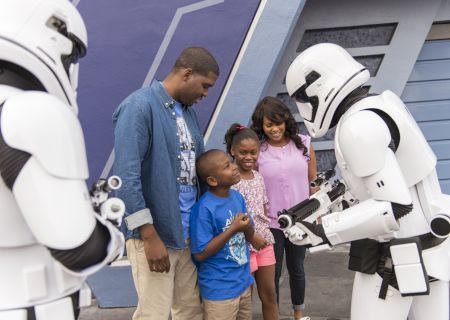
226	274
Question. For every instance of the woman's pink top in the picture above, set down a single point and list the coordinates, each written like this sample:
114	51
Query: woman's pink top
285	173
254	193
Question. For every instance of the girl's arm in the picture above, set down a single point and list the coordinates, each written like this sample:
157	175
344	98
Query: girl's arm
312	168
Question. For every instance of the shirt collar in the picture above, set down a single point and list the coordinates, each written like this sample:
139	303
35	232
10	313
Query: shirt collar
166	99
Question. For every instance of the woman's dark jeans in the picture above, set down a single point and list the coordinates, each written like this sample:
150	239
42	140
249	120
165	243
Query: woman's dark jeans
295	255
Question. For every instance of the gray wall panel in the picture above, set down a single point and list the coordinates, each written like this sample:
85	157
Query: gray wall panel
443	169
436	130
441	149
430	110
431	70
445	186
427	94
426	91
435	50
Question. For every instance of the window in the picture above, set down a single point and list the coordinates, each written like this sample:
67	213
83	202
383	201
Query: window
350	37
372	63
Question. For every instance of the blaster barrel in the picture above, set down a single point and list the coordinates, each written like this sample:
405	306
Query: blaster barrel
308	207
298	212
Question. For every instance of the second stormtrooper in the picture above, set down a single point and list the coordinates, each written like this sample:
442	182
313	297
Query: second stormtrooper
400	228
53	232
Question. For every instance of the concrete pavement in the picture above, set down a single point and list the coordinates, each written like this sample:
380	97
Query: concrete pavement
328	291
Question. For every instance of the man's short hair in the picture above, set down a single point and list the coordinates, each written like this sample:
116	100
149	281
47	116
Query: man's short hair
198	59
206	163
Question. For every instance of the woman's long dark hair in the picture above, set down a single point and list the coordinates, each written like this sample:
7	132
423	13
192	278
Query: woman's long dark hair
277	112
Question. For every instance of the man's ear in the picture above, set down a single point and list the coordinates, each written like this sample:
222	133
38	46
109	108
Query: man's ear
187	74
211	181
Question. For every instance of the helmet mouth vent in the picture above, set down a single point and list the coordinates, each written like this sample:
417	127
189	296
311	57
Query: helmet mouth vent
78	52
302	97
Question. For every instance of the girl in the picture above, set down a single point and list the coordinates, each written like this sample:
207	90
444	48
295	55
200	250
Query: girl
287	163
243	145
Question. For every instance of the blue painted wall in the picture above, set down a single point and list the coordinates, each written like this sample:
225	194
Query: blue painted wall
124	38
427	96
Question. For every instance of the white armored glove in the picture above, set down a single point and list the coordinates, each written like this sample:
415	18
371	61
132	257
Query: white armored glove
295	235
305	233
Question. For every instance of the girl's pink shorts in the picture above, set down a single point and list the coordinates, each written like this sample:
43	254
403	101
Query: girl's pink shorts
262	258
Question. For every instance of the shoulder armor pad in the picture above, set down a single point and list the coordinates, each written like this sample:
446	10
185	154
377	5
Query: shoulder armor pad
46	128
363	140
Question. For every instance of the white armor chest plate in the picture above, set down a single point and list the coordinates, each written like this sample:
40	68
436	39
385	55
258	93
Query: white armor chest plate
414	156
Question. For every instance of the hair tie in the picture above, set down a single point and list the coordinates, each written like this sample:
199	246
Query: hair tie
240	127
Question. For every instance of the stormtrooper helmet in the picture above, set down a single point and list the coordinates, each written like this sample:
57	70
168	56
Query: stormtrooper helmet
41	42
319	79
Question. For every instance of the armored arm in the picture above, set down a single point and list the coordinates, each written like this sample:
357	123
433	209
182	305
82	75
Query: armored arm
49	185
363	140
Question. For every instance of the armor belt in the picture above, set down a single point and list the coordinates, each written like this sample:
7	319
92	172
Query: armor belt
370	256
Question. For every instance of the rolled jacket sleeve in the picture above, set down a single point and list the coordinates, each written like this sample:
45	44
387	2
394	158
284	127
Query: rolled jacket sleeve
132	141
139	218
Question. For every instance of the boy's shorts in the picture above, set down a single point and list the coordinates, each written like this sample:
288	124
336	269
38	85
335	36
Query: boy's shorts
239	308
262	258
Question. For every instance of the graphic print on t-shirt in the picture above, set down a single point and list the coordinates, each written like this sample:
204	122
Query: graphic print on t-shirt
187	145
236	244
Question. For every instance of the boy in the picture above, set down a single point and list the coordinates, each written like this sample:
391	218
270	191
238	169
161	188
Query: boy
219	228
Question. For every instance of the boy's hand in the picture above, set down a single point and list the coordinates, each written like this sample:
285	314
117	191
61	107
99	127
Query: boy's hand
240	222
259	242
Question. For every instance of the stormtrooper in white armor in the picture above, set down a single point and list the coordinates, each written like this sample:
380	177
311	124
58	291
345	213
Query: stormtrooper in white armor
399	229
51	237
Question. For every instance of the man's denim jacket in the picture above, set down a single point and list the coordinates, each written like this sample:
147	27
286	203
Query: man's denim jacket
148	159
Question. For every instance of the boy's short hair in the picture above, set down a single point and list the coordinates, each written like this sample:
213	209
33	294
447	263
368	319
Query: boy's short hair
198	59
205	163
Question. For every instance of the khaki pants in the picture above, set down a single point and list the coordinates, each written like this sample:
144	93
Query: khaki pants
160	294
239	308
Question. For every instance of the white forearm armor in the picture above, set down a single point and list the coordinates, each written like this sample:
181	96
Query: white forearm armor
59	239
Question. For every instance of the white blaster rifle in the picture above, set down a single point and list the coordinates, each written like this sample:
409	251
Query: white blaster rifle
329	198
109	208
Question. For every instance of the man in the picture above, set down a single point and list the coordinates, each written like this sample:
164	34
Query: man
51	238
157	139
400	226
